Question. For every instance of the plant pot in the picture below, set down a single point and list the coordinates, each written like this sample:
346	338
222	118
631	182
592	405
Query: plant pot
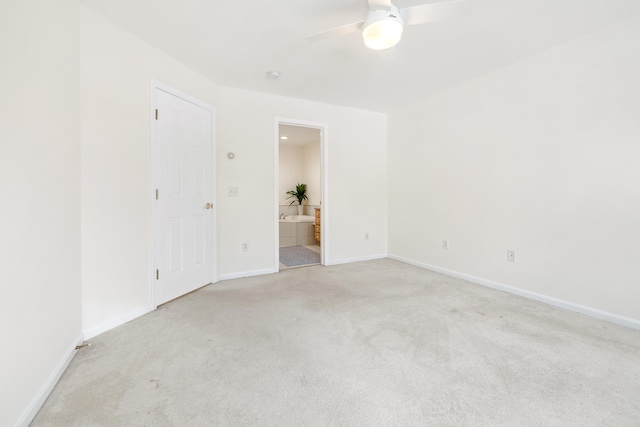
300	209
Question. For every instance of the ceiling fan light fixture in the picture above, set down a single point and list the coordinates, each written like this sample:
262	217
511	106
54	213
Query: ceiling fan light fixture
382	29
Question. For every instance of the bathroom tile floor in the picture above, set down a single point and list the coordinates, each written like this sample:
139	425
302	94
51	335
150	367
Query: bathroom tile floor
314	248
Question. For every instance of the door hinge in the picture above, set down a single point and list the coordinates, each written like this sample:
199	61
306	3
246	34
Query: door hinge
156	114
157	274
156	194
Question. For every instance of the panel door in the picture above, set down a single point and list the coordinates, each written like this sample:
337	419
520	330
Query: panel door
183	211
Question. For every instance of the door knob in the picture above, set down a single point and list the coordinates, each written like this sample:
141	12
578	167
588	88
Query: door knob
208	206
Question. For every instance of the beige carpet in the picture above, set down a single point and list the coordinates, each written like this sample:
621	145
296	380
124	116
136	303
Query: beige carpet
375	343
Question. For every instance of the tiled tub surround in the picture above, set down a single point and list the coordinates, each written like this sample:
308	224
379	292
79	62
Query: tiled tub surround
297	230
293	209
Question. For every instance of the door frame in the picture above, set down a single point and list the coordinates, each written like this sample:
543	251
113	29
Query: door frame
324	179
155	86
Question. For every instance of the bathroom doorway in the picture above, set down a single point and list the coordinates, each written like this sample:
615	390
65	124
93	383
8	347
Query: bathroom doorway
300	229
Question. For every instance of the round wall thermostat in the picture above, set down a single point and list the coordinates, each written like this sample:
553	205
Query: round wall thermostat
230	156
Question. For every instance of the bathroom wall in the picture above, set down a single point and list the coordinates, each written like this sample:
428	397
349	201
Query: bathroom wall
300	164
312	172
291	172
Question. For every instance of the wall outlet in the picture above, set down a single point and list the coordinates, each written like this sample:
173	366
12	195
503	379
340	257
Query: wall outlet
366	236
245	247
445	245
511	256
234	191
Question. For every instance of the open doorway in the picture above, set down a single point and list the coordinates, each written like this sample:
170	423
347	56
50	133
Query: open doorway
299	192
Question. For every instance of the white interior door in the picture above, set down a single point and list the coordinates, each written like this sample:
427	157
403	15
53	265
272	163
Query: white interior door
183	211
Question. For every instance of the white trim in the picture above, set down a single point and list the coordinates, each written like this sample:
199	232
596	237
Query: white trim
243	274
588	311
356	259
276	180
152	138
158	85
324	170
36	403
324	203
114	323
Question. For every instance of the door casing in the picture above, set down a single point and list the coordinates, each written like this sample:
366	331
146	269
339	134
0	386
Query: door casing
324	168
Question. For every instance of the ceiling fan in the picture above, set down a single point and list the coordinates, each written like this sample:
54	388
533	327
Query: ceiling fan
383	26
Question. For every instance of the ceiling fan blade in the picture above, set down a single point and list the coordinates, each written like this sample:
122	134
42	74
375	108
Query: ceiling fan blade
337	31
436	11
379	4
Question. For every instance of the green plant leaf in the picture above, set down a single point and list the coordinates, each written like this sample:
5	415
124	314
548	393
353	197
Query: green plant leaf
299	194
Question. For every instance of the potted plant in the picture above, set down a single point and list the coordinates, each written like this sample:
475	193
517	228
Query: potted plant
299	194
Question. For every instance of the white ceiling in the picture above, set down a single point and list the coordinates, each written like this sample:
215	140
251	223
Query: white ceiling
235	43
298	135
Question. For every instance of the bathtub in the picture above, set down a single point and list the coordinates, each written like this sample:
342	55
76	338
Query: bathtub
297	230
298	218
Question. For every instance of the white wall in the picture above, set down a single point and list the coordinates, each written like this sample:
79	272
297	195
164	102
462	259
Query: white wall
357	178
291	171
40	201
541	157
300	164
116	71
312	162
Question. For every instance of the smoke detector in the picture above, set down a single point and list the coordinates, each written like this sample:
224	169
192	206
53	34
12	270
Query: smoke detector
273	75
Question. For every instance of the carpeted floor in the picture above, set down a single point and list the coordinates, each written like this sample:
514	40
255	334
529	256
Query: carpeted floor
376	343
292	256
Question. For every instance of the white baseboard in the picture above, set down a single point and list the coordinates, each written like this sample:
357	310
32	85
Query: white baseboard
243	274
588	311
36	403
114	323
252	273
357	259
